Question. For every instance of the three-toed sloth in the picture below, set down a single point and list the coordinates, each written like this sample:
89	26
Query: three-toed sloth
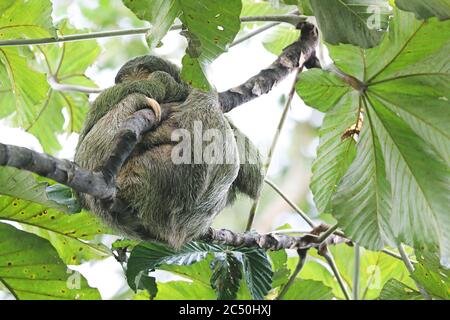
174	183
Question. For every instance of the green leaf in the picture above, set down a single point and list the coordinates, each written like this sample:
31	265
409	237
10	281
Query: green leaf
23	88
26	19
334	155
376	268
305	7
281	272
257	271
64	196
434	278
366	188
396	290
214	23
28	87
160	13
69	234
358	22
227	273
325	91
31	269
426	9
149	255
252	8
405	186
308	290
22	184
183	290
209	26
67	65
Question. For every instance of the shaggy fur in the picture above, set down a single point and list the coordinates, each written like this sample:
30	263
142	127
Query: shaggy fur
173	203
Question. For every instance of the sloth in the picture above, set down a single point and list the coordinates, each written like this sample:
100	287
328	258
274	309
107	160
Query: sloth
175	184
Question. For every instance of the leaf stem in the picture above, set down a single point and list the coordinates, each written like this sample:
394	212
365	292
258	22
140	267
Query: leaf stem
293	19
410	268
356	273
330	260
327	233
288	18
298	268
293	206
253	33
254	207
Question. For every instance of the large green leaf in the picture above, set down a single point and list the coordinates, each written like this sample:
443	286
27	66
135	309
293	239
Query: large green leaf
31	269
183	290
326	92
23	88
26	87
160	13
24	19
308	290
366	188
226	276
434	278
376	269
279	265
69	234
426	9
358	22
405	102
22	184
209	26
257	272
66	64
254	263
396	290
149	255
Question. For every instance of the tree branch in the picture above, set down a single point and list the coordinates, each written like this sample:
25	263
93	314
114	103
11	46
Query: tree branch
101	184
288	18
62	171
301	262
292	57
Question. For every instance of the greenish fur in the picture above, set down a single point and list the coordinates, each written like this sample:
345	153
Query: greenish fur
172	203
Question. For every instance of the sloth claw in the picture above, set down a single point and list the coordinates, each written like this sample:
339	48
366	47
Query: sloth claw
154	105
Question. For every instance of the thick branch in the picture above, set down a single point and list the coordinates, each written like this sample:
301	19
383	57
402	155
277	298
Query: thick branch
267	241
100	184
62	171
264	81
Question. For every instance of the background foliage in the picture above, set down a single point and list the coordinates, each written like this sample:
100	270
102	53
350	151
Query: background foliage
385	187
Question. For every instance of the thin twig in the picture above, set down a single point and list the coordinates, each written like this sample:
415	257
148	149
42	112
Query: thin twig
253	33
293	206
330	260
293	19
70	87
356	274
289	18
410	268
298	268
323	237
273	146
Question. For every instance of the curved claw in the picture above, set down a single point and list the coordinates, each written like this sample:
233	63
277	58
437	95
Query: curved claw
154	105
